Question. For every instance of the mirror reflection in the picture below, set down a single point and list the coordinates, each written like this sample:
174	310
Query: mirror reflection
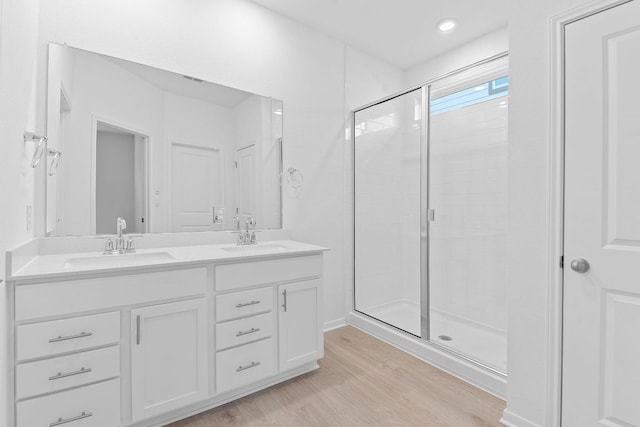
164	151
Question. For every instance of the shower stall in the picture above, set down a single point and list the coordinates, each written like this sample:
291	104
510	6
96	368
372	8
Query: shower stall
430	212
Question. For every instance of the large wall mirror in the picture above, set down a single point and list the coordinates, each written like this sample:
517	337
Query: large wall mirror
164	151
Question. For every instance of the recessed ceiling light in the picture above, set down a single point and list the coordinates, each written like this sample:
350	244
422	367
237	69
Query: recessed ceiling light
447	25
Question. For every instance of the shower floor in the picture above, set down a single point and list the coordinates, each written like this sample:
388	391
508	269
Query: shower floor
480	343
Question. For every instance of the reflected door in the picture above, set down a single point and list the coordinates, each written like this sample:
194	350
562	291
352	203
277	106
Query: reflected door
601	343
246	183
388	167
196	187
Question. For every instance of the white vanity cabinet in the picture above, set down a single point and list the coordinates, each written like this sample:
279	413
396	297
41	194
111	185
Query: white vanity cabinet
153	344
169	363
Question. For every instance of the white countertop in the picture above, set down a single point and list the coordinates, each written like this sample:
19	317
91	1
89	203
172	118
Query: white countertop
69	264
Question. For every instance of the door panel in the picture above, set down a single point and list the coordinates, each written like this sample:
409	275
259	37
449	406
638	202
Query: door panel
601	346
300	334
169	364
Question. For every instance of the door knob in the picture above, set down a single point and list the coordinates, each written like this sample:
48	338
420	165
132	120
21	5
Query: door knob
580	265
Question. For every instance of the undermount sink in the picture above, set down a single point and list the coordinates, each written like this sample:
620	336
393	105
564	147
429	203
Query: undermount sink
266	248
118	260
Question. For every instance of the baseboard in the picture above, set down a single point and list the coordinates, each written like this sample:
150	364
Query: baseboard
335	324
510	419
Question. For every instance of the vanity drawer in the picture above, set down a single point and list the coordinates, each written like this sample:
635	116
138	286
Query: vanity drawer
69	371
96	405
233	276
245	303
243	365
62	336
73	296
242	331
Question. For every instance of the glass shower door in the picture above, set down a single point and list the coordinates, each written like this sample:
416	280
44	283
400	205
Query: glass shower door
387	206
468	194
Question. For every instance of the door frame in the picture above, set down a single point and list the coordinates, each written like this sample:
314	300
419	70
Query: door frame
236	178
555	283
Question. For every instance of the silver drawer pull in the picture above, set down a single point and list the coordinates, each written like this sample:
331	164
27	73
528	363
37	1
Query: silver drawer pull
250	331
249	366
69	420
71	337
244	304
70	374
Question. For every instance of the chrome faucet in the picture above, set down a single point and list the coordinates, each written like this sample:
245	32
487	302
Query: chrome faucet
121	224
248	237
120	246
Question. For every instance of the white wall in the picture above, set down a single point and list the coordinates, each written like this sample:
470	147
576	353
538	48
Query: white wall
18	37
482	47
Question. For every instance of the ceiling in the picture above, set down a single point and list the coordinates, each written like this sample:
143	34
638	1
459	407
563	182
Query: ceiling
401	32
184	85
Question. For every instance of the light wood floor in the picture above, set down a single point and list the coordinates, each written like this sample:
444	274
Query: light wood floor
361	382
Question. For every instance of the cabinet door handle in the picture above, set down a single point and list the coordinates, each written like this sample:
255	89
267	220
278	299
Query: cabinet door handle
70	337
249	366
284	300
250	331
138	330
244	304
69	374
69	420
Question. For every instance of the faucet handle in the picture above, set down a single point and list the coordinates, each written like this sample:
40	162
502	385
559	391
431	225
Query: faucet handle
130	249
251	221
108	245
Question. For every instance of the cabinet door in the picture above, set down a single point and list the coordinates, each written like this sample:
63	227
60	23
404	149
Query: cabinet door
169	365
300	334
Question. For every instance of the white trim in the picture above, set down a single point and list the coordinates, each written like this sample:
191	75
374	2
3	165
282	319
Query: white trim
335	324
510	419
557	24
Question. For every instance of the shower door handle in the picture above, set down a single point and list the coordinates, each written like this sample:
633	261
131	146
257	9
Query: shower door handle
431	215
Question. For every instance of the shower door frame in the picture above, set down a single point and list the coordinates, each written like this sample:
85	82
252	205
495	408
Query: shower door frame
425	87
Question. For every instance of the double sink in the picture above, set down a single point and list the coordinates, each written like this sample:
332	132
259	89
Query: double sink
141	258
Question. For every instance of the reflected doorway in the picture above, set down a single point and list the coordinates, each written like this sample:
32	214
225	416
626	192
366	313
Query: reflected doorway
120	183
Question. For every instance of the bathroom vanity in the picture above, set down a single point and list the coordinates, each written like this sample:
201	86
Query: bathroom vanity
152	337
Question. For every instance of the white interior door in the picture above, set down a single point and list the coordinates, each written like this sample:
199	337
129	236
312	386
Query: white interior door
196	175
246	179
601	342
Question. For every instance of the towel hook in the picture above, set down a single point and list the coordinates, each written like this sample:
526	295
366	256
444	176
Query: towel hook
42	143
53	167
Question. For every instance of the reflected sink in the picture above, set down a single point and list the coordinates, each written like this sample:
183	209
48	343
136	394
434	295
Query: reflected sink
118	260
254	249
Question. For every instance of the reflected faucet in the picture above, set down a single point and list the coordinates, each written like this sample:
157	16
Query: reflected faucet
120	247
247	237
121	224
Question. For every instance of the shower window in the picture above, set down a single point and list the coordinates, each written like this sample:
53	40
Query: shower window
430	205
473	95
